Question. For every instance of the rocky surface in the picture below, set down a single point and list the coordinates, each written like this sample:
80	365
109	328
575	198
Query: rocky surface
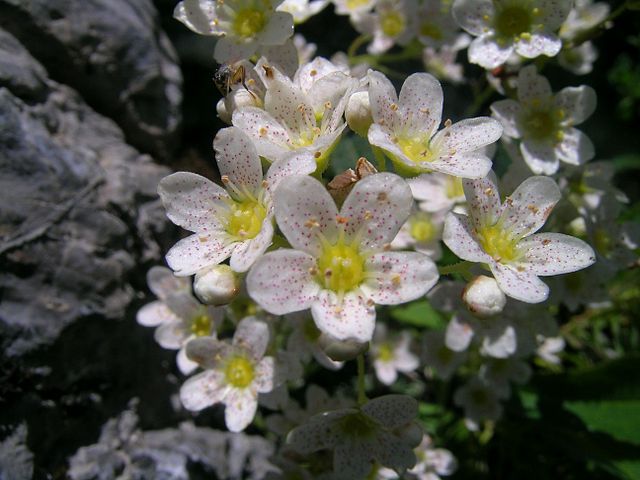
114	54
79	207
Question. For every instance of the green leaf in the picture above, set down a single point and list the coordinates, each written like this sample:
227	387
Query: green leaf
348	151
419	314
618	418
629	161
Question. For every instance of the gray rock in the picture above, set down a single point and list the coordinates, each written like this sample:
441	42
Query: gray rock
79	208
113	53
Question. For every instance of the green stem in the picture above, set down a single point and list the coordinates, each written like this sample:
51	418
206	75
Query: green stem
479	101
461	267
380	158
356	44
362	395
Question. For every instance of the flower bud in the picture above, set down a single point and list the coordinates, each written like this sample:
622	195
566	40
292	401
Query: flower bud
358	113
217	285
483	297
341	350
223	113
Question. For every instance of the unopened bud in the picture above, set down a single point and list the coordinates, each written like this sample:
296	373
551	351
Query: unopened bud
358	113
341	350
217	285
223	113
483	297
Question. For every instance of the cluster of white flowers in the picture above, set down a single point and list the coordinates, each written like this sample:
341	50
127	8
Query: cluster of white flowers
299	259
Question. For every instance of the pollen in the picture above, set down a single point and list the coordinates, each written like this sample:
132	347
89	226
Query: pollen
340	267
245	219
312	223
262	132
382	197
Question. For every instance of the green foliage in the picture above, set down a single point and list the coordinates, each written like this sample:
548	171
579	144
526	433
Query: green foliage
419	314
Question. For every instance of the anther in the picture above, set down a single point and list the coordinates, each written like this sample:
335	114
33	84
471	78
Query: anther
448	123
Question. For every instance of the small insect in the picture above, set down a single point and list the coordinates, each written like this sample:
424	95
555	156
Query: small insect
228	75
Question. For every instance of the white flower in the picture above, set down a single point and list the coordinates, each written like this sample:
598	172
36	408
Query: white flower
439	357
579	60
433	462
234	373
303	115
406	129
544	122
422	232
383	430
178	316
392	356
502	236
436	27
529	27
305	341
302	10
242	25
583	16
353	8
340	267
441	61
479	399
392	22
437	192
549	349
236	222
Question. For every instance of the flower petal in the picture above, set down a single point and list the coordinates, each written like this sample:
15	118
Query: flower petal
349	319
483	199
393	453
507	112
467	165
288	105
578	103
197	251
154	314
238	159
473	15
420	103
241	408
227	50
186	366
499	340
203	390
527	209
279	29
170	335
269	137
457	235
192	201
198	15
376	208
303	209
467	135
253	336
264	380
382	98
523	286
163	283
575	148
538	43
398	277
281	281
317	434
532	86
555	253
459	334
208	351
392	411
247	252
294	163
488	53
540	157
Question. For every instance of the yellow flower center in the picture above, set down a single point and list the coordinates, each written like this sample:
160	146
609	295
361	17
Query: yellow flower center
421	228
513	21
453	187
246	219
340	267
249	22
353	4
431	30
385	352
239	372
543	124
417	149
201	325
392	24
499	243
